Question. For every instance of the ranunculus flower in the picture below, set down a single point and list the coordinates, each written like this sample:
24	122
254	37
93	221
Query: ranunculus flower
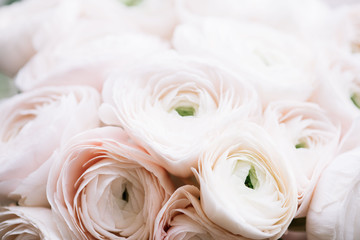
343	29
339	68
246	185
169	104
309	140
32	126
339	79
182	218
27	223
18	23
86	56
30	26
290	16
282	63
334	212
103	186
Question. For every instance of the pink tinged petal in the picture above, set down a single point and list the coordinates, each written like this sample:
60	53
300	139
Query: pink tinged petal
24	116
27	222
94	196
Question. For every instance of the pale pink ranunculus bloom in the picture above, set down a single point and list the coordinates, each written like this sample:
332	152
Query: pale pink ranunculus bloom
169	104
282	63
342	28
334	212
32	126
30	26
182	218
87	56
27	223
309	140
19	22
246	185
103	186
338	91
338	67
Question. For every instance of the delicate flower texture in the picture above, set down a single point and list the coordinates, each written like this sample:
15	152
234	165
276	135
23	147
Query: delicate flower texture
290	16
334	212
354	16
30	26
32	126
170	104
345	26
246	185
86	57
182	218
103	186
27	223
155	17
339	70
309	140
339	89
18	24
283	65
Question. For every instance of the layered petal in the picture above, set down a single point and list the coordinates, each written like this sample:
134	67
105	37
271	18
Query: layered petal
103	186
334	212
169	104
18	24
27	223
339	89
33	125
156	17
28	27
282	63
246	185
87	56
309	140
290	16
182	218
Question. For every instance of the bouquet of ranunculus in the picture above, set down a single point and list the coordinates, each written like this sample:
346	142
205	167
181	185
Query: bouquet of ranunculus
179	119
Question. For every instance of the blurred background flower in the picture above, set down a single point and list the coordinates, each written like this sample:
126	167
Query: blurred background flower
7	87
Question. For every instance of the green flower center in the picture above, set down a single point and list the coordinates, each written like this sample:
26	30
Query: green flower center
301	145
185	111
131	3
355	98
251	180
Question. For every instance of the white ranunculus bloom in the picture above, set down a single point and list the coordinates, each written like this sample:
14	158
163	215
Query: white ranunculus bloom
27	223
32	126
283	64
170	104
182	218
309	140
86	57
334	212
247	186
103	186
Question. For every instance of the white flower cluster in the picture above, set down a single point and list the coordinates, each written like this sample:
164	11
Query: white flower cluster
180	119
